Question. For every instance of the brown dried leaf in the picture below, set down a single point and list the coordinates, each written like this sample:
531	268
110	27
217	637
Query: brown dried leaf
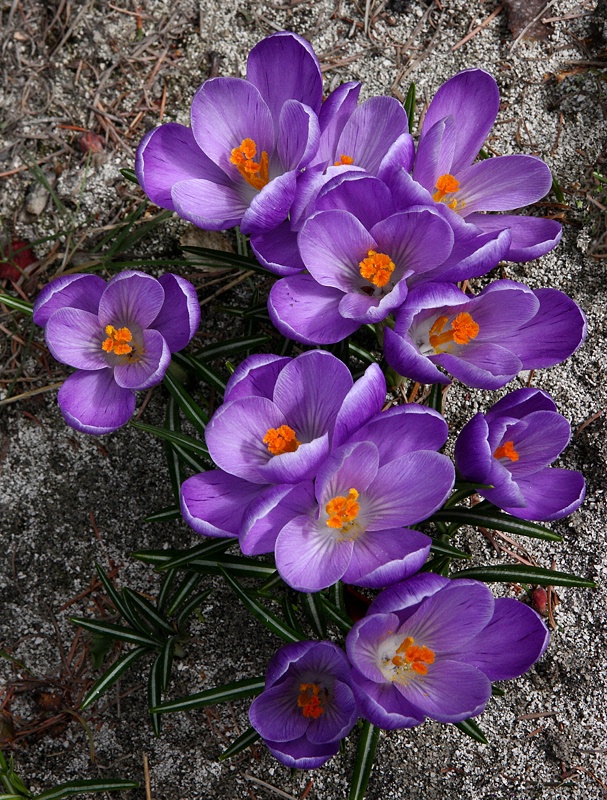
521	13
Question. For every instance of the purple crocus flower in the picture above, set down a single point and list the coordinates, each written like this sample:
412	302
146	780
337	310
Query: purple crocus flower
238	163
360	263
511	448
119	336
484	341
350	523
430	647
307	706
457	123
274	428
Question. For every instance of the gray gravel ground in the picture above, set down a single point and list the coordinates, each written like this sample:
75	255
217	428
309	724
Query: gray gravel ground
68	500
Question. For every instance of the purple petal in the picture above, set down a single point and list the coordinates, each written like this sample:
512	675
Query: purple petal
531	237
404	357
363	401
149	367
224	112
450	692
485	365
256	376
211	206
404	598
473	456
381	558
332	245
298	135
503	183
74	337
539	438
213	503
289	655
370	310
333	115
301	753
370	132
399	157
298	466
350	466
275	714
511	643
308	558
403	430
131	298
418	240
409	489
383	705
364	196
69	291
304	310
271	205
364	641
310	391
435	153
167	155
472	98
552	335
92	402
179	316
550	494
283	67
267	515
277	250
339	717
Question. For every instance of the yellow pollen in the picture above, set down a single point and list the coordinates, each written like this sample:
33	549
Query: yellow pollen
342	510
447	185
343	161
377	268
507	450
461	331
117	341
255	173
309	700
281	440
413	657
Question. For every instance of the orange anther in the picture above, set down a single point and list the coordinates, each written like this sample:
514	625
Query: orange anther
256	174
117	341
507	450
310	701
377	268
281	440
461	330
445	185
342	510
343	161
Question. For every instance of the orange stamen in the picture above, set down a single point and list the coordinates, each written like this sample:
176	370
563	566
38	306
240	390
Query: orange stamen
377	268
117	341
281	440
461	331
343	161
507	450
445	185
342	510
413	657
256	174
309	700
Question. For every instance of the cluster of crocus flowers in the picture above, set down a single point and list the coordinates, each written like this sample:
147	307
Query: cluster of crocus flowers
119	336
310	468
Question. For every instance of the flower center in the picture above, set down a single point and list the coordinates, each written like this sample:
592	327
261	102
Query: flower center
343	511
447	185
343	161
507	450
310	700
117	341
255	173
281	440
461	331
410	656
377	268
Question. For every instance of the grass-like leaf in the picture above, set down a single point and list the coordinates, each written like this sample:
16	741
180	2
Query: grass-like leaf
444	549
231	347
313	609
239	565
172	422
179	559
165	515
180	439
471	729
111	675
141	606
246	739
488	516
521	573
80	787
17	303
186	611
336	615
186	402
117	632
188	585
200	370
249	687
409	105
267	618
155	693
120	605
365	753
